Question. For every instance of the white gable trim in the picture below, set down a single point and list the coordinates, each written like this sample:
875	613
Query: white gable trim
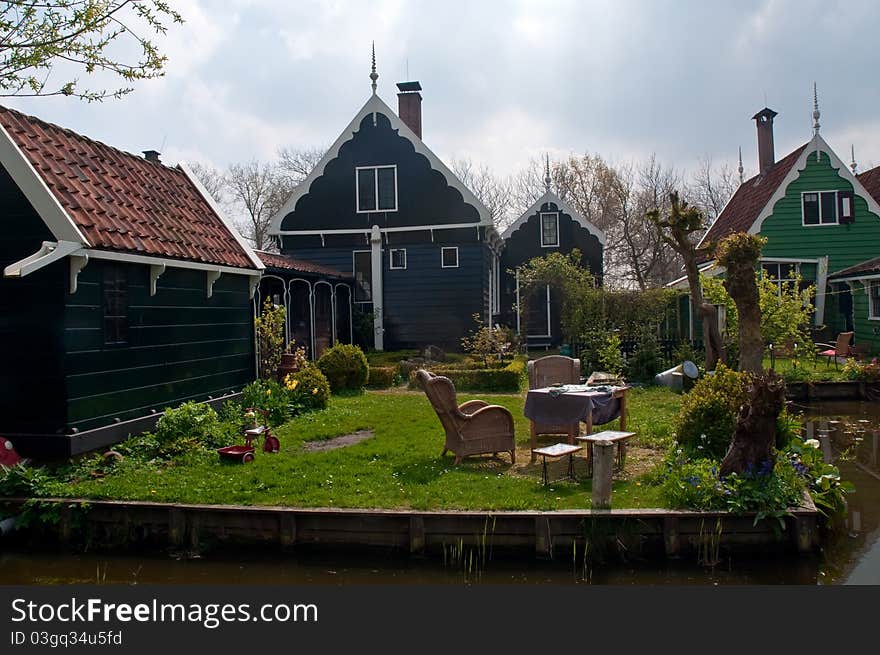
564	206
375	105
816	144
255	260
37	192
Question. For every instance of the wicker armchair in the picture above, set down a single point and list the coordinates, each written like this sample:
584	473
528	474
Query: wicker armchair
472	428
549	370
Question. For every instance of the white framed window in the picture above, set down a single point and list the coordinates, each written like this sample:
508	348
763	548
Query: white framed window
449	257
397	259
827	207
874	300
780	273
549	229
362	265
376	188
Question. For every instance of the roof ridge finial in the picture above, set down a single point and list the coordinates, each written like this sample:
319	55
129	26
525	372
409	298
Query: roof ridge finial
815	111
852	165
373	74
547	179
739	168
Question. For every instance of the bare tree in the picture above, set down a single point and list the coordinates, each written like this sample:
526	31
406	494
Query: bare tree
258	191
489	189
295	164
711	187
213	180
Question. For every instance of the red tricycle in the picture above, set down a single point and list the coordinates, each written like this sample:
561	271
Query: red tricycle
246	452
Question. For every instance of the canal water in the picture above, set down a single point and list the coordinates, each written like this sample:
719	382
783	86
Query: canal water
849	434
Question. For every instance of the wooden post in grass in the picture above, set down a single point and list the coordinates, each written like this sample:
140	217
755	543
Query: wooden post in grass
603	468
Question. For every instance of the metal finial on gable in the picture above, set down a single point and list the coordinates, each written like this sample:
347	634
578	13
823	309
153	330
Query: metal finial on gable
739	168
547	179
815	110
852	165
373	74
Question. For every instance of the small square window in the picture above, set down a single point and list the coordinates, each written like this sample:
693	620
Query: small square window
821	207
811	209
829	207
449	257
549	230
398	259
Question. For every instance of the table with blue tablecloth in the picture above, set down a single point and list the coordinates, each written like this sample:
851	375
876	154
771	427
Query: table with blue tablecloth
572	404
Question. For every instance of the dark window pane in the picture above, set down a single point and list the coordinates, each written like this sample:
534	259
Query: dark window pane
771	271
786	271
450	257
387	191
366	182
811	208
363	277
549	226
398	258
115	304
829	207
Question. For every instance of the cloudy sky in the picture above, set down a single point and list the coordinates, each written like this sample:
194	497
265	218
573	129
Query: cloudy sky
504	81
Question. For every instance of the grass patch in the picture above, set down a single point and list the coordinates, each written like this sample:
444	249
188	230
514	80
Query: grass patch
400	467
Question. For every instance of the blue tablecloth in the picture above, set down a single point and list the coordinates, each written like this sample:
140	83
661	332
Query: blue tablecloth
549	405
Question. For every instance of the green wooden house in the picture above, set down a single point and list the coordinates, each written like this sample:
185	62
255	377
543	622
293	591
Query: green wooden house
124	291
822	223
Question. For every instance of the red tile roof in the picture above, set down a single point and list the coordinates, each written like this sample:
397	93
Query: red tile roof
750	198
870	266
273	260
123	202
870	179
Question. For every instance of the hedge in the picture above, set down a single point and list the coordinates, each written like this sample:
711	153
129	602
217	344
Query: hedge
507	379
381	377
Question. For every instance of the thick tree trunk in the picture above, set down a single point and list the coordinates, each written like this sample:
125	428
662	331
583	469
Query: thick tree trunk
742	287
706	312
755	436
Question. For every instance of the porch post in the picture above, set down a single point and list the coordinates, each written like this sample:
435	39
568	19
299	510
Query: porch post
376	265
821	283
517	303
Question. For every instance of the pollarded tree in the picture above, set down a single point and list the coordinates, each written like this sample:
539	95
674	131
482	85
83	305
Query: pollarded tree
739	253
678	229
60	37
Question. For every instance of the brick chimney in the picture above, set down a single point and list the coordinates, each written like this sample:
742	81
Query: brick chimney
764	121
409	106
152	156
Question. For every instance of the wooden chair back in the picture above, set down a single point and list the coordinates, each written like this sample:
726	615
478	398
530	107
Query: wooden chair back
553	369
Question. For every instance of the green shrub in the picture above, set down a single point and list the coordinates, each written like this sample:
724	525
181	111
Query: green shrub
270	396
382	377
500	380
345	366
645	362
23	481
610	356
189	427
307	389
692	485
707	419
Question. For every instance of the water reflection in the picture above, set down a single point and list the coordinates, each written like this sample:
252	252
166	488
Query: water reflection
849	433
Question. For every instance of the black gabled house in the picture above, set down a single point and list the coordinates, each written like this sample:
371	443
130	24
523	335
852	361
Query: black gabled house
381	207
549	225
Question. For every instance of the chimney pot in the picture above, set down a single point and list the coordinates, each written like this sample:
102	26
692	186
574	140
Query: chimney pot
409	106
152	156
764	122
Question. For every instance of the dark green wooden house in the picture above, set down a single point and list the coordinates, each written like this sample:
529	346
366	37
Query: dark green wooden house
124	291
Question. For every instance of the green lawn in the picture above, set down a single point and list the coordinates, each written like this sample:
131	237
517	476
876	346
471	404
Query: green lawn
400	467
808	370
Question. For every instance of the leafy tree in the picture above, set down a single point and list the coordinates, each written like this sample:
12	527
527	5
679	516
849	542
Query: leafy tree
739	253
42	37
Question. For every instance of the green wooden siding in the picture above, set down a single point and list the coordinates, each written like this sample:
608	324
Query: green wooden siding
844	245
181	346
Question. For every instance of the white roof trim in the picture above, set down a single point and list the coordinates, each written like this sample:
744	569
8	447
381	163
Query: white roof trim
255	260
817	143
48	253
37	192
373	106
709	269
564	206
112	255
